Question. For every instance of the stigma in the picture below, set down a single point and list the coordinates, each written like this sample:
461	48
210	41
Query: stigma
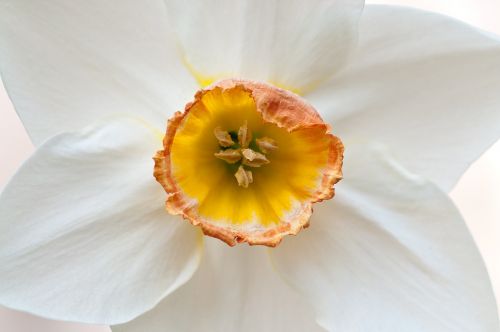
245	161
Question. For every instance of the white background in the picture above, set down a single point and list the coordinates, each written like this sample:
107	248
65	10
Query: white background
477	194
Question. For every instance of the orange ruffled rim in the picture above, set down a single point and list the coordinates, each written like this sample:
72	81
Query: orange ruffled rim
282	108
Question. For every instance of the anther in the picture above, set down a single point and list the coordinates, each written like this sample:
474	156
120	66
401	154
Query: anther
243	177
229	155
253	159
244	136
266	144
223	137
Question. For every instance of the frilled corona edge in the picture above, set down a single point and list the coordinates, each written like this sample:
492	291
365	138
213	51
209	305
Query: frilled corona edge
281	108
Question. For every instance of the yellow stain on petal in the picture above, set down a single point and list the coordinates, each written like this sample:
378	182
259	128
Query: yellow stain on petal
206	80
203	80
288	87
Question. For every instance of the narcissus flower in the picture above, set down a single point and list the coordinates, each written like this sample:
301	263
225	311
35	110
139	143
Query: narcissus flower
280	89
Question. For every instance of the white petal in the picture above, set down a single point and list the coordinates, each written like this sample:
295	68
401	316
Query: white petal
235	289
424	84
65	64
83	231
389	253
293	43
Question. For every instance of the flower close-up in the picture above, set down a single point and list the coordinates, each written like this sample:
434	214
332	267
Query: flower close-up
246	161
245	165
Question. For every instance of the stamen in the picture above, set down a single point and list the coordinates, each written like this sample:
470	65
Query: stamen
229	155
223	137
243	177
253	159
243	153
244	135
266	144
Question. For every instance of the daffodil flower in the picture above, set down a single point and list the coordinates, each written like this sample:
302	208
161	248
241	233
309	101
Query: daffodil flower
262	99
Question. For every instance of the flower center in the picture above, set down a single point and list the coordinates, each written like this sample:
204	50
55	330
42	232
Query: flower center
238	148
245	161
